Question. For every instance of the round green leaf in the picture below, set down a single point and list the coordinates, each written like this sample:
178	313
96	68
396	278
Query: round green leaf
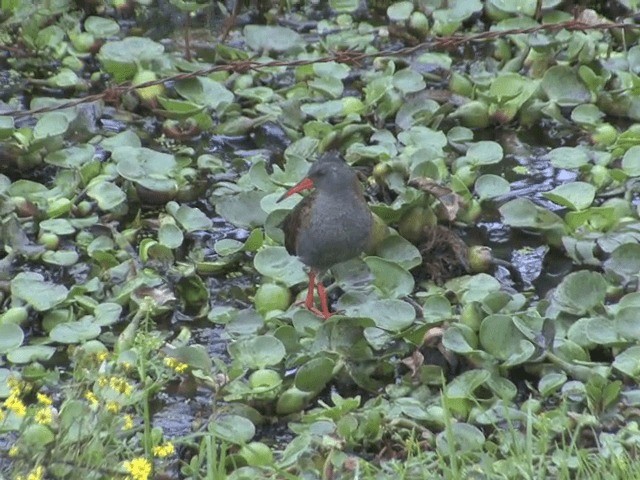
388	314
63	258
106	193
397	249
11	337
232	428
400	11
499	336
562	85
31	353
314	375
391	279
276	263
467	438
631	161
170	235
574	195
491	186
258	352
34	290
580	292
568	157
628	362
75	332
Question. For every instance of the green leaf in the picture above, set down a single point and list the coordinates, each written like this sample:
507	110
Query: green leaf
258	352
568	157
466	437
500	337
399	250
232	428
272	38
75	332
107	194
205	91
574	195
491	186
631	161
388	314
628	362
192	219
276	263
72	157
34	290
314	375
579	292
400	11
31	353
11	337
391	279
242	209
51	124
408	81
562	85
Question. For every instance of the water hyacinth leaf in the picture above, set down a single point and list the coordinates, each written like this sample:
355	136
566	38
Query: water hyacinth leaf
436	308
35	291
36	436
500	337
242	209
522	212
150	169
463	386
272	38
408	81
196	356
244	322
323	110
587	114
191	219
31	353
232	428
101	27
314	375
62	258
7	126
258	352
276	263
400	11
399	250
258	94
388	314
107	314
631	161
568	157
628	362
227	246
170	235
627	323
624	262
59	226
579	292
107	194
485	153
331	69
574	195
491	186
121	58
127	138
562	85
205	91
331	87
51	124
418	111
75	332
524	352
466	437
11	337
459	339
72	157
599	331
551	383
389	278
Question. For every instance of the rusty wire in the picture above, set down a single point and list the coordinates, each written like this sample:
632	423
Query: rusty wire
343	56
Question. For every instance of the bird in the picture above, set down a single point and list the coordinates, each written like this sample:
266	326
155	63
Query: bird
331	225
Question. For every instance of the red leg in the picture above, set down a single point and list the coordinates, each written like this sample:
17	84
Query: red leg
324	303
312	286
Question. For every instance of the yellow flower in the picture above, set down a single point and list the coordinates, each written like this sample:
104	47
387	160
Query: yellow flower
164	450
44	399
113	407
2	416
15	384
16	405
44	416
139	468
177	366
102	356
13	451
120	385
102	381
128	422
93	400
36	474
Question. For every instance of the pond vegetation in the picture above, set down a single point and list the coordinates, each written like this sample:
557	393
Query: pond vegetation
151	323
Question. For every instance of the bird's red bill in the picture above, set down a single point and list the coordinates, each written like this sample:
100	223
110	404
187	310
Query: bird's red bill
304	184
